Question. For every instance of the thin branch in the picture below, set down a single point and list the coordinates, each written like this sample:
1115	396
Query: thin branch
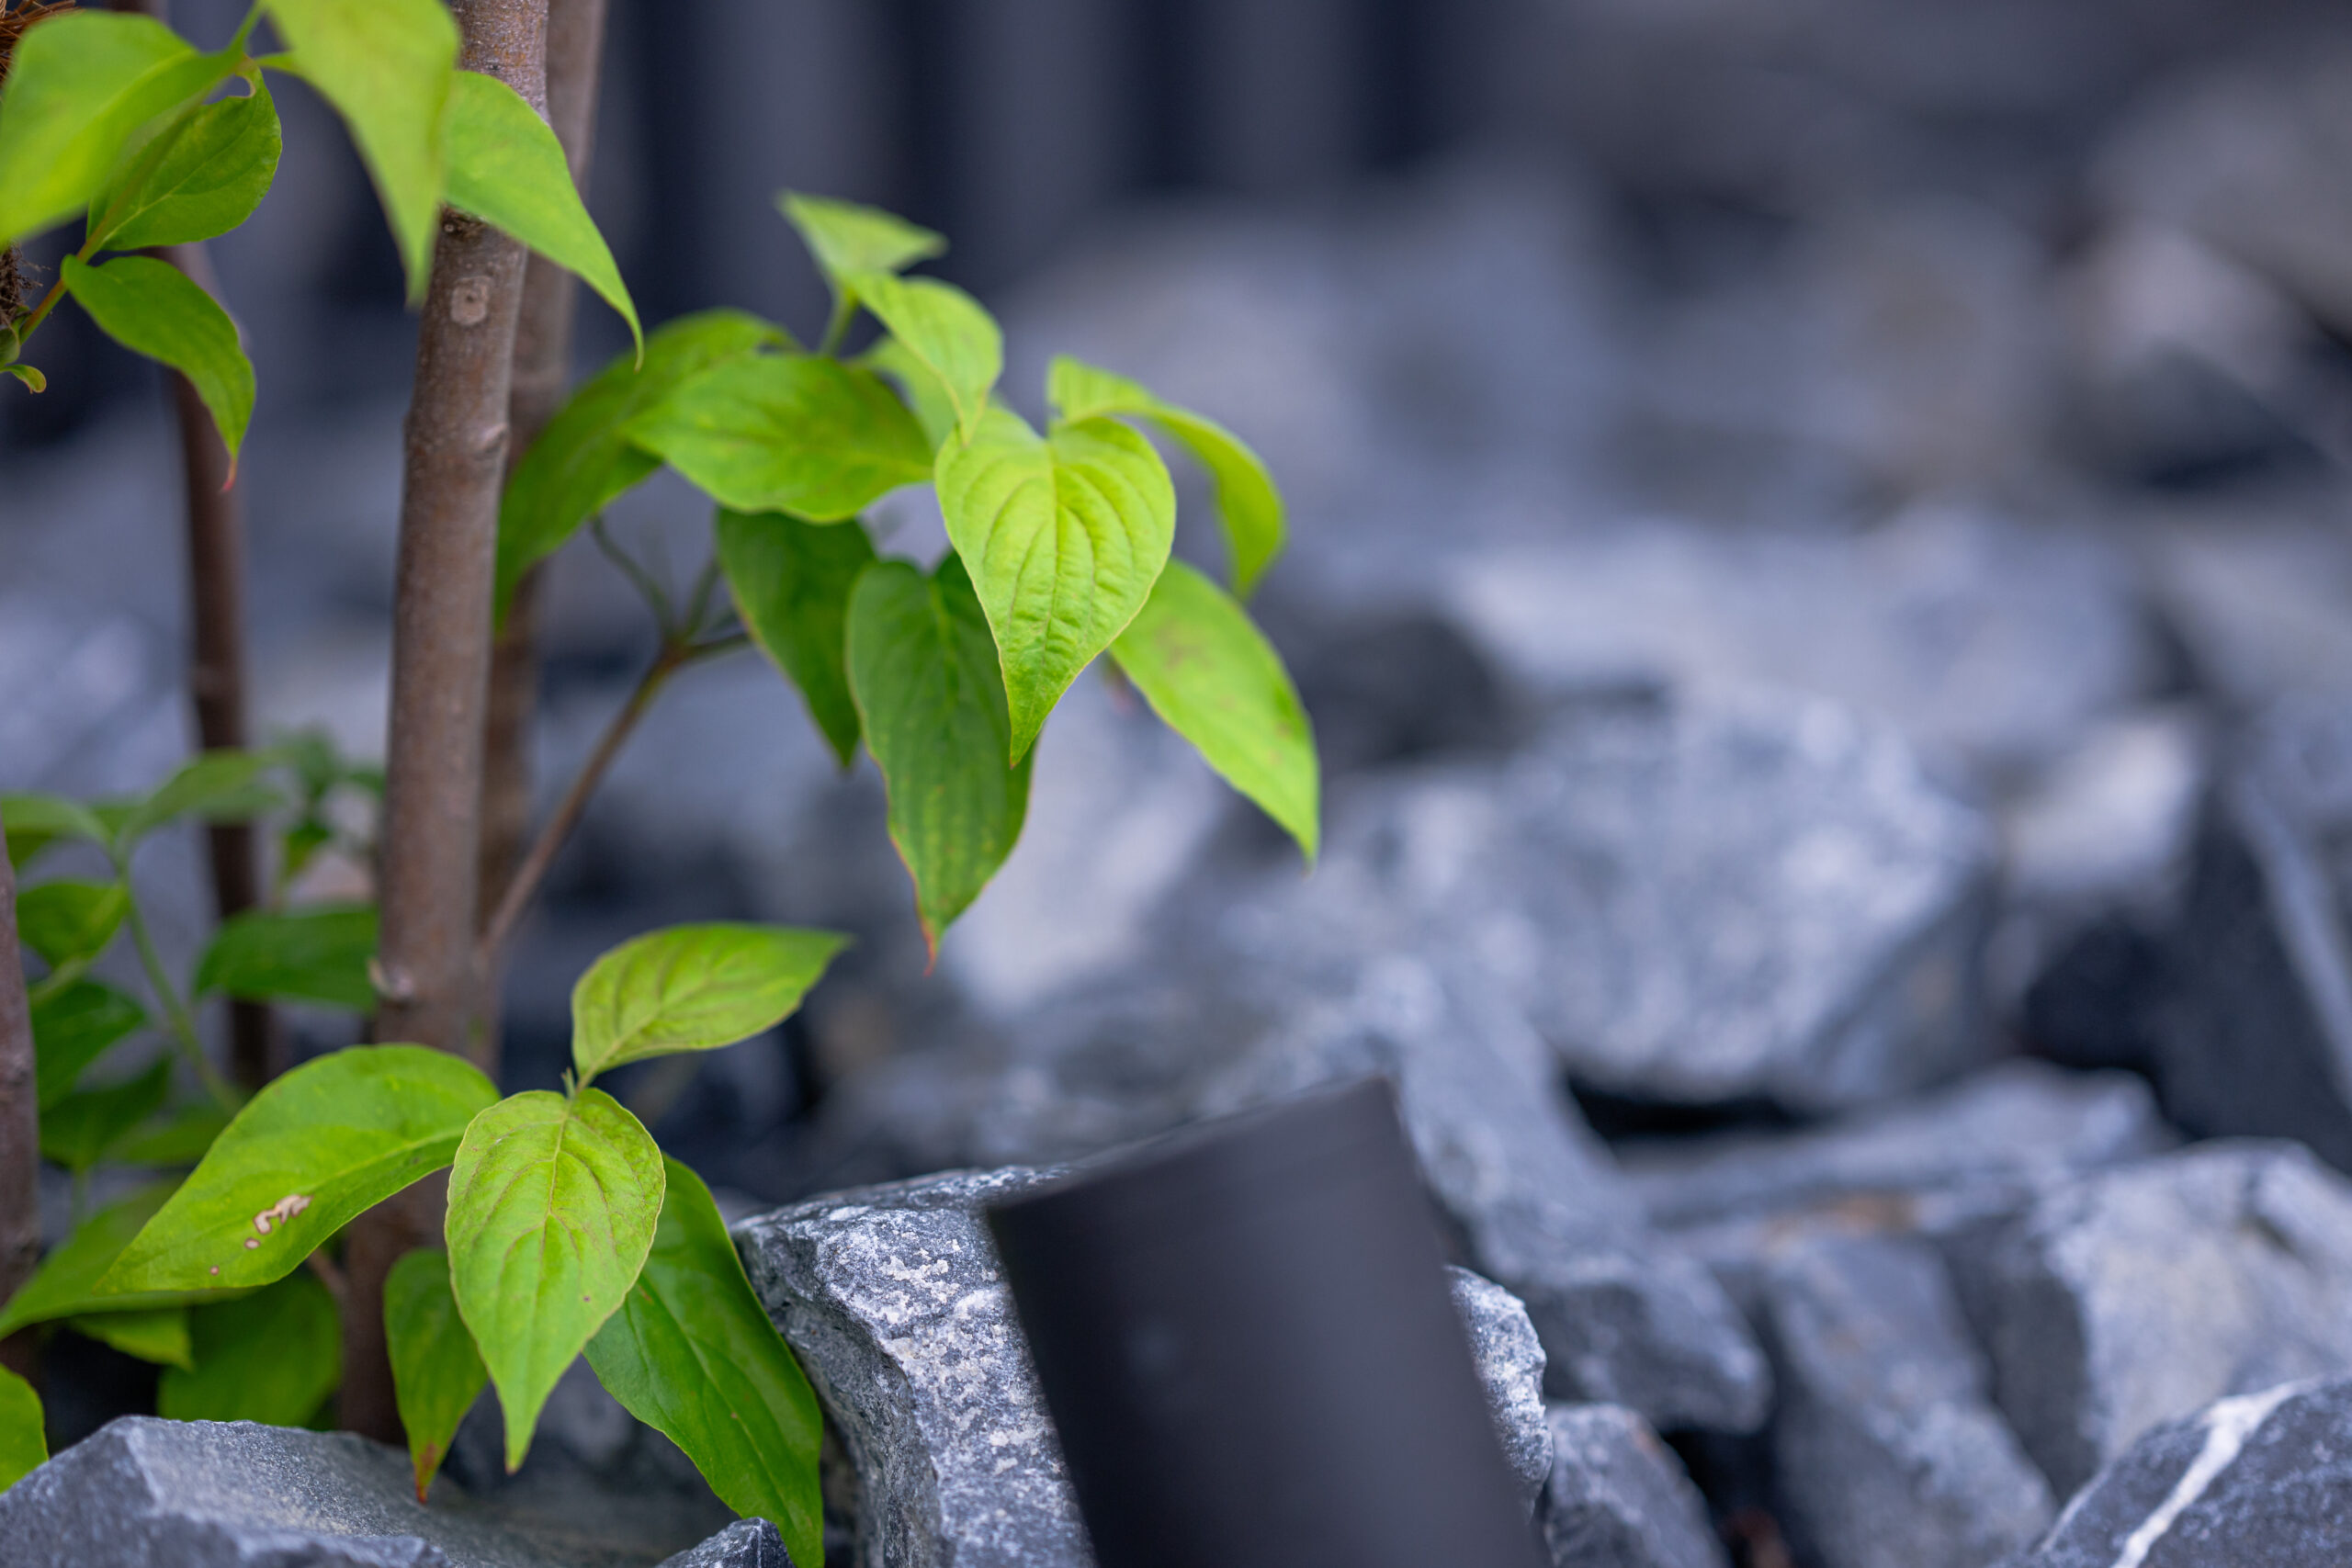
649	587
175	1012
19	1111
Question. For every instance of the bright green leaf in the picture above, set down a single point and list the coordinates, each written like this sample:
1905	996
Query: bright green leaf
178	1137
36	821
437	1371
66	1283
307	956
1064	537
71	921
271	1356
1246	501
788	433
552	1205
202	176
846	238
24	1440
791	581
926	394
80	85
692	989
73	1027
386	66
945	330
581	461
81	1127
159	1335
304	1158
692	1352
29	375
507	168
931	703
217	786
1211	675
152	308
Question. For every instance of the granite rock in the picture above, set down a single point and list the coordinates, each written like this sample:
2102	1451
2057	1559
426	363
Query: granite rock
2133	1296
1509	1359
746	1543
1885	1440
2259	1478
1617	1497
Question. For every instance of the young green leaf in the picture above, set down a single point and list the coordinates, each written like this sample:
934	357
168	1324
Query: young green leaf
36	821
307	956
507	169
66	1283
158	1334
202	176
847	239
1246	501
24	1441
947	331
217	786
692	1352
437	1371
304	1158
386	65
153	308
552	1205
1064	537
28	374
79	86
78	1131
71	921
931	703
788	433
73	1027
1211	675
925	393
791	581
271	1356
692	989
582	460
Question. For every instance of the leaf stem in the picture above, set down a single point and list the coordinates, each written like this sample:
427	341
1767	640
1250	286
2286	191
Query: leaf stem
175	1011
656	598
837	325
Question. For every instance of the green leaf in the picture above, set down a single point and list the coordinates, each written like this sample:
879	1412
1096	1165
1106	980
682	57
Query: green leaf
945	330
80	85
926	394
582	460
437	1371
308	955
507	168
36	821
791	581
217	786
179	1137
202	176
159	1335
1211	675
271	1356
304	1158
66	1283
71	921
788	433
931	702
846	238
78	1131
24	1440
692	989
386	66
553	1206
72	1026
692	1352
1246	501
1064	537
152	308
28	374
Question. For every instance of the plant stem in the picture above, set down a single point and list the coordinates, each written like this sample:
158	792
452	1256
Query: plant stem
456	441
175	1012
19	1122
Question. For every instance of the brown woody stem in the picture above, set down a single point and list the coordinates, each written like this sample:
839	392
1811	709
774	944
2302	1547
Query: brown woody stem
19	1116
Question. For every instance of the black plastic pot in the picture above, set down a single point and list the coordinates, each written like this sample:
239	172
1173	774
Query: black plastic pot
1244	1335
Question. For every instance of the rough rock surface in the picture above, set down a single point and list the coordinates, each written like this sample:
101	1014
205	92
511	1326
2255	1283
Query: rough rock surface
234	1495
2261	1478
2134	1296
746	1543
1885	1440
892	1298
1618	1497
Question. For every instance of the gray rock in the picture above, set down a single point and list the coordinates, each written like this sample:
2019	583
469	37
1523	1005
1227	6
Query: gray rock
1509	1359
197	1494
2258	1478
746	1543
1618	1497
2133	1296
1885	1440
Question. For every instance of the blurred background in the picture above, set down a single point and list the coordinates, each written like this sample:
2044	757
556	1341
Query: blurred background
1978	363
